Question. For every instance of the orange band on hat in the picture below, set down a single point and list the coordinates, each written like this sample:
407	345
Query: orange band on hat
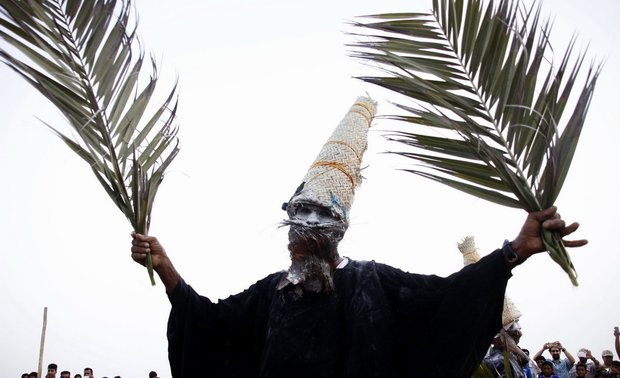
362	114
339	166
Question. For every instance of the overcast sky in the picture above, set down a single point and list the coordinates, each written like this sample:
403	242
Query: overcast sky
262	86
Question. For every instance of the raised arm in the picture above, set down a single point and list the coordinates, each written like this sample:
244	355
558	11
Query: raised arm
571	359
541	351
141	245
592	358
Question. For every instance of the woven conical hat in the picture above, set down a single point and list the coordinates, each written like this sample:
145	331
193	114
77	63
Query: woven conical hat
333	177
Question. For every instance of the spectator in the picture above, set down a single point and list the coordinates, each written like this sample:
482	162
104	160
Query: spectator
561	367
612	372
531	368
88	373
25	375
527	368
33	374
580	370
608	357
591	366
153	374
77	375
495	359
539	361
51	370
547	370
65	374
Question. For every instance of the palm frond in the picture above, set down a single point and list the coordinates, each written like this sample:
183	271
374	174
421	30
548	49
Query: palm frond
485	97
84	57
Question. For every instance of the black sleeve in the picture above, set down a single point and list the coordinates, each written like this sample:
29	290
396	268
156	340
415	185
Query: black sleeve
207	339
447	324
470	314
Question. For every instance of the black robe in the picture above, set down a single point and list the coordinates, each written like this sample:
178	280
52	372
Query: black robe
379	322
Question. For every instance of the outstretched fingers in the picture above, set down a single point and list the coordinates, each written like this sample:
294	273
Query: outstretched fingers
572	243
557	224
575	243
551	220
570	229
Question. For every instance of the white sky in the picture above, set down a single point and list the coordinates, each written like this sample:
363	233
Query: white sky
262	86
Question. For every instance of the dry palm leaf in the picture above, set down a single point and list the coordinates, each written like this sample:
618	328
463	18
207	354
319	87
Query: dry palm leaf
83	56
485	100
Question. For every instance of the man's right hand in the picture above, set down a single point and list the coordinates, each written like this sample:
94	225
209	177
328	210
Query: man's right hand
141	245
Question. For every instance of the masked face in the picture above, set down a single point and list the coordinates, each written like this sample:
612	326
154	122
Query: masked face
312	214
509	340
314	235
314	230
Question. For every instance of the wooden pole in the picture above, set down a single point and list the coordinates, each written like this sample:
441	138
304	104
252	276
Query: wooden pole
40	369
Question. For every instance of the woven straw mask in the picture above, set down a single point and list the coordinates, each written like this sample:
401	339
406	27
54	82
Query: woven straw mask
335	173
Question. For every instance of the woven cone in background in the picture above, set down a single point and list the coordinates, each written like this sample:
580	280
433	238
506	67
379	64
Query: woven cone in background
511	313
333	177
467	246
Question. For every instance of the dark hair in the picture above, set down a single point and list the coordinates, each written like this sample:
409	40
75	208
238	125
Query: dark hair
65	372
152	374
52	366
615	363
580	364
34	374
539	358
548	363
24	375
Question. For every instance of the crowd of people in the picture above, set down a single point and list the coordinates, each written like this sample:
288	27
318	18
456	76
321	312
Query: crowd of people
52	370
560	363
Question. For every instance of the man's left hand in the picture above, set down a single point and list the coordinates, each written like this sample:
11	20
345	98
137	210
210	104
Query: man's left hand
529	240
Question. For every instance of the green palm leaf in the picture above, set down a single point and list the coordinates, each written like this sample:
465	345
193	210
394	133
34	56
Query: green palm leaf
83	56
485	100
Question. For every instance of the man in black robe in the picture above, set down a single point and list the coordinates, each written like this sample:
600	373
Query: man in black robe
328	316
